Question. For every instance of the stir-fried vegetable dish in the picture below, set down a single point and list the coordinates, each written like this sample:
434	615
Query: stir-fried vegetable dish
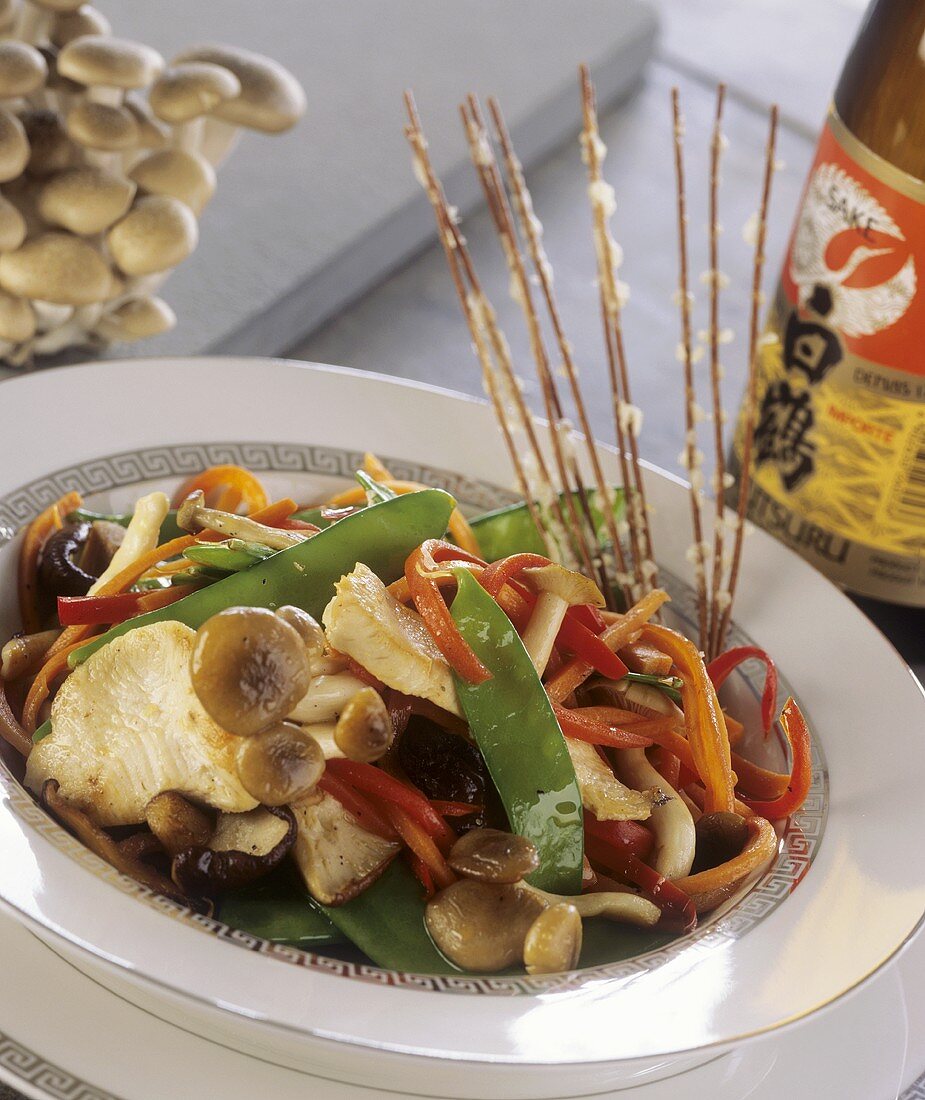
348	723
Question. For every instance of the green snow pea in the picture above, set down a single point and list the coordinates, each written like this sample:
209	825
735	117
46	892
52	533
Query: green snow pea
380	536
280	909
510	530
513	724
231	555
386	922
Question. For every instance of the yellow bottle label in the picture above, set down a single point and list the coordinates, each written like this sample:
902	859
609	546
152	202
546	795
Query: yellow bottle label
839	452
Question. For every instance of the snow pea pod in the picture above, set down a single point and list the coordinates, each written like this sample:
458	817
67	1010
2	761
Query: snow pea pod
380	536
514	726
280	909
230	556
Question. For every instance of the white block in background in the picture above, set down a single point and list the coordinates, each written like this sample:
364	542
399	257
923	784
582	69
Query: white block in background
303	222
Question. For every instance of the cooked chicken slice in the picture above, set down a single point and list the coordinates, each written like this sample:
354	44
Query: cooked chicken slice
127	725
366	622
601	792
336	856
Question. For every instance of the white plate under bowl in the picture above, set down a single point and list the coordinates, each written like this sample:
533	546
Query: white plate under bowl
845	895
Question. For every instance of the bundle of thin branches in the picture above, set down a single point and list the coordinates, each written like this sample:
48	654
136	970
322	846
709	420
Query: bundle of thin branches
572	505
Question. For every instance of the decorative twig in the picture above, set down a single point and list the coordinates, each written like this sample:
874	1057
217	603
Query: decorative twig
691	454
749	414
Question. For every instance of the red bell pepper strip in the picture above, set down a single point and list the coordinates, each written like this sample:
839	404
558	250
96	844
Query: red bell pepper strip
576	638
588	616
374	781
583	727
455	809
720	667
428	600
355	803
801	771
422	873
502	572
419	841
109	610
678	911
628	836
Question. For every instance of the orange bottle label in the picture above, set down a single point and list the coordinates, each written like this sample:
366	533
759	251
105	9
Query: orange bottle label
839	453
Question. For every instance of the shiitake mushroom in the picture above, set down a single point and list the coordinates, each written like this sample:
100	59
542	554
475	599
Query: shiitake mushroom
249	669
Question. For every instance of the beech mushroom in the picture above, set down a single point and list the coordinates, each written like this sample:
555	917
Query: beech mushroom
24	652
271	99
553	943
156	234
624	906
17	319
193	515
58	268
85	200
249	669
186	91
489	855
23	70
12	226
9	9
559	589
243	848
100	61
184	175
280	764
308	628
136	319
59	5
177	823
481	926
84	20
364	729
152	133
49	147
102	126
14	146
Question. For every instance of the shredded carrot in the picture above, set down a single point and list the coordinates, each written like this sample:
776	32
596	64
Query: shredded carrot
800	780
419	842
33	540
376	470
703	717
711	888
227	477
41	685
618	634
459	528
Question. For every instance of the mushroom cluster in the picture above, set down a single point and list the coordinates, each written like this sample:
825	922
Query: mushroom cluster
107	158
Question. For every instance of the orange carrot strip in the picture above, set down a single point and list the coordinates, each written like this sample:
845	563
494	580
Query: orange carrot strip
34	539
41	685
419	842
711	888
703	717
794	796
247	485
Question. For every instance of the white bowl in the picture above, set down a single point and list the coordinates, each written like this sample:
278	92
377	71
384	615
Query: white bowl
845	894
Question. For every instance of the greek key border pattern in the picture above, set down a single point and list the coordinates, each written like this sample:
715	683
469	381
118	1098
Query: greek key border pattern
799	843
30	1068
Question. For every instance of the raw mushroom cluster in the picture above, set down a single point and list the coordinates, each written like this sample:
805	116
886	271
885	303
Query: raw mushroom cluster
107	158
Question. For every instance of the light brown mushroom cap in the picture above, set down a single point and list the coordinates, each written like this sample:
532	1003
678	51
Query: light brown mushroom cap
14	146
22	69
112	62
69	25
9	9
50	148
85	200
59	5
102	126
152	133
17	321
157	233
271	98
184	175
137	319
12	226
55	82
56	267
187	91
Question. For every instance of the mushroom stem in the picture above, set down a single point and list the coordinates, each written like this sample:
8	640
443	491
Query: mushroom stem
32	23
217	140
188	135
193	516
544	624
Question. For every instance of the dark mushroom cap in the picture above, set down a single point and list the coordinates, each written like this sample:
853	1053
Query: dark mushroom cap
271	99
23	69
249	668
